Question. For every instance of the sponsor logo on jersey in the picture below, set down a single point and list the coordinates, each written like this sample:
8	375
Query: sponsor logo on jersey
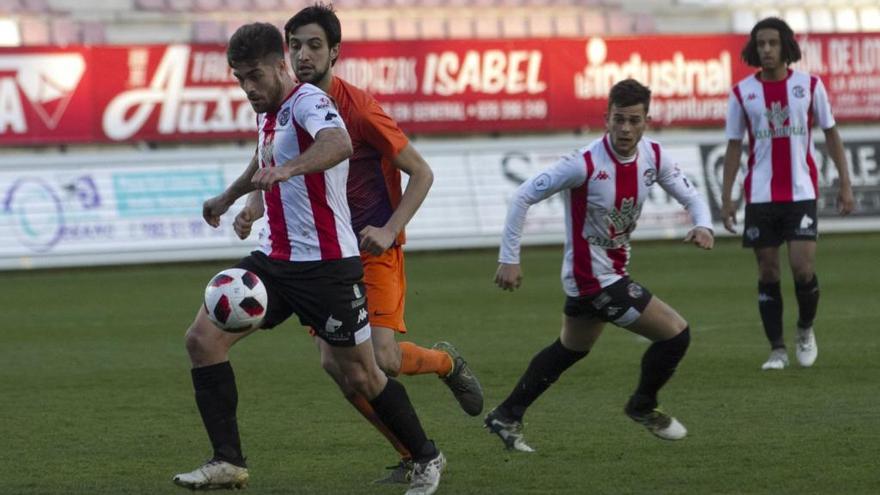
601	300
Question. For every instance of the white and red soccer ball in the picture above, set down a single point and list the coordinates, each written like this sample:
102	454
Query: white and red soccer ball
236	300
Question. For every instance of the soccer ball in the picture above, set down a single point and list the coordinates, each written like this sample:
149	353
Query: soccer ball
236	300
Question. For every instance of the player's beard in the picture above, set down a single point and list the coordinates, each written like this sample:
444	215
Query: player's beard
316	76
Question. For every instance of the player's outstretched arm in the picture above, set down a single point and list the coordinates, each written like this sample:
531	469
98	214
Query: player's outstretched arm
252	211
376	240
508	276
731	167
702	237
332	145
214	207
845	200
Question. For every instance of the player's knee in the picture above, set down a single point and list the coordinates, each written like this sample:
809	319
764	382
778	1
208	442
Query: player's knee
362	381
803	275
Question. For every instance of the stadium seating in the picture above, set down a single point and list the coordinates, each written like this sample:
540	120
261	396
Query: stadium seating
212	21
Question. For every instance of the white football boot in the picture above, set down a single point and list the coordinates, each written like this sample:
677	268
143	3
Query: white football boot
426	475
806	348
212	475
778	360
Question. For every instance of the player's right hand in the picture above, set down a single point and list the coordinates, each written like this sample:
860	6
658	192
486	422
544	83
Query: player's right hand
213	208
728	215
508	276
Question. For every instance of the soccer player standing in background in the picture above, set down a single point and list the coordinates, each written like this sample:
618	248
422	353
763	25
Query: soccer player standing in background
379	214
777	106
308	260
604	186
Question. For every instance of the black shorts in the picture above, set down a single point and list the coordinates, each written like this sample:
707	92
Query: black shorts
621	303
771	224
328	296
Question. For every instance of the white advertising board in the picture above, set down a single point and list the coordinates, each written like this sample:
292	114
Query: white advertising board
145	206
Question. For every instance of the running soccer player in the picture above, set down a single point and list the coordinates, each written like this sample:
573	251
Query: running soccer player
603	186
778	106
308	260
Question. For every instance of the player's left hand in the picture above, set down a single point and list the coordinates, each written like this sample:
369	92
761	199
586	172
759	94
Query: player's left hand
846	203
701	236
265	178
375	240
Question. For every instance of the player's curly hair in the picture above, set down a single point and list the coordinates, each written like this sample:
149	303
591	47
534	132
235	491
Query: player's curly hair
791	51
629	92
320	14
253	42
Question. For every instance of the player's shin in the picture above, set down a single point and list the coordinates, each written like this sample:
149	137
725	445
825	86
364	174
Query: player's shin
658	364
770	307
394	408
808	301
544	369
217	398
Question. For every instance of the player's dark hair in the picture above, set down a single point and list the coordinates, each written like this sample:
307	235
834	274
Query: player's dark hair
629	92
253	42
322	15
791	52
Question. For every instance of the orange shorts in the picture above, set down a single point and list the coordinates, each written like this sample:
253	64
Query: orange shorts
385	280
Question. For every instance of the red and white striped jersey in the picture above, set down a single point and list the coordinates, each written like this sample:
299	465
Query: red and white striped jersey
779	116
308	215
603	200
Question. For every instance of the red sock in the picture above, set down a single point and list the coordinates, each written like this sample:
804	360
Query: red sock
415	360
363	406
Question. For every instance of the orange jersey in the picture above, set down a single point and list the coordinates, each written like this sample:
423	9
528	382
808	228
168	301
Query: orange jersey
373	181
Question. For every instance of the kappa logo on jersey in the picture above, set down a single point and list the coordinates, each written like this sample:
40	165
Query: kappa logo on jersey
47	80
650	177
602	175
284	116
751	96
362	315
332	325
798	91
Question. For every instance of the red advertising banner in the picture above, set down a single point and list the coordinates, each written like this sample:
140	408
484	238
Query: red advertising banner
186	93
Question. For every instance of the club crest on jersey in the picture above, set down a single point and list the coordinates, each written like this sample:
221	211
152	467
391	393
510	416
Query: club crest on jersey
807	226
753	233
650	177
332	325
284	116
798	91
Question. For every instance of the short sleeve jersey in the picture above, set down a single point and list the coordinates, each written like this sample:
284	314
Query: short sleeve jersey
374	188
308	215
603	201
779	118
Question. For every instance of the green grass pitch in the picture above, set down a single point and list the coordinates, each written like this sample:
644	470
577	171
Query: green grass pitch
95	394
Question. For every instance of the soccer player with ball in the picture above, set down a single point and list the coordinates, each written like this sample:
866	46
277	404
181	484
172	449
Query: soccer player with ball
308	261
604	186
